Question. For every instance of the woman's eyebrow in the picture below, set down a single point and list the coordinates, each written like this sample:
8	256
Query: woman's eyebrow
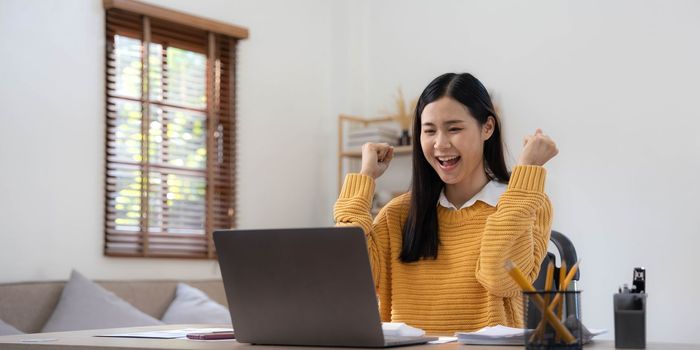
454	121
449	122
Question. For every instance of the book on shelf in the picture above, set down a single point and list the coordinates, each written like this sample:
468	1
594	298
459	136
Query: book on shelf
357	144
373	131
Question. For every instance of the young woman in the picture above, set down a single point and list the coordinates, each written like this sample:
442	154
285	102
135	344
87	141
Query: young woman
438	251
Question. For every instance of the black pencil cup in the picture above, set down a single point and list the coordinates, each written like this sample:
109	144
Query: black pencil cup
630	320
543	335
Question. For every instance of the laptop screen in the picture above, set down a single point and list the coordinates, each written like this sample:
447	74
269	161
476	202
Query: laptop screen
300	286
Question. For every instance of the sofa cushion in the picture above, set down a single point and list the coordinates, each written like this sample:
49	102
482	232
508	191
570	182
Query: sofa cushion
191	305
86	305
6	329
28	305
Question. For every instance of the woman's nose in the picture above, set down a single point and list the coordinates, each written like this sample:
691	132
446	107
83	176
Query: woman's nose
441	142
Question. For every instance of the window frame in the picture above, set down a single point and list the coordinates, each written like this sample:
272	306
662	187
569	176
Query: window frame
220	43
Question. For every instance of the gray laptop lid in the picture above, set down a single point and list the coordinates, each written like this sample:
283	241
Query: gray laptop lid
300	286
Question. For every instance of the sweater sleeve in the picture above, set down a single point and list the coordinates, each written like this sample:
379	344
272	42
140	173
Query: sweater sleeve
519	231
353	208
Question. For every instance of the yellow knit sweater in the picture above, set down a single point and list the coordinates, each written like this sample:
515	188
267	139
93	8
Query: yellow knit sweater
466	287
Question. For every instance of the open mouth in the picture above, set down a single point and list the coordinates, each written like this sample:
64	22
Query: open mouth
448	162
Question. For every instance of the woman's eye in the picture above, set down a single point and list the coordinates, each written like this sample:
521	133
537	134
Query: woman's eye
455	129
429	131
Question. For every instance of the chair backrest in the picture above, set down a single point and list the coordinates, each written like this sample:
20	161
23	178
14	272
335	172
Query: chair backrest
567	253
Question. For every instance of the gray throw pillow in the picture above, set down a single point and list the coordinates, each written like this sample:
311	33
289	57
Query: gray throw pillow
86	305
6	329
191	305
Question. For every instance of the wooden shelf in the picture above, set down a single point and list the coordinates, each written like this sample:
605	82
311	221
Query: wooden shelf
398	150
357	154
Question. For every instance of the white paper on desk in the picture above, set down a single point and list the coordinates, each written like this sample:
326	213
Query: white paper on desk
497	332
596	331
401	329
593	333
171	334
502	335
496	335
443	340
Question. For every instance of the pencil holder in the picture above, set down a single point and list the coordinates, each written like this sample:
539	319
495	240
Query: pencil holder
557	330
630	320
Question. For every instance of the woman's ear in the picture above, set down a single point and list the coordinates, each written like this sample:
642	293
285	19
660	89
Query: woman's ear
488	128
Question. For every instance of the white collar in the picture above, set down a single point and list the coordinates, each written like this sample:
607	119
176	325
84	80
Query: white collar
489	194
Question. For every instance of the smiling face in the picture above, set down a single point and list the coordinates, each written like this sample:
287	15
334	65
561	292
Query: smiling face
453	141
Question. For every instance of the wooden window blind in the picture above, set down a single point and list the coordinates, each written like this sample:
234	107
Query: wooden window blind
170	133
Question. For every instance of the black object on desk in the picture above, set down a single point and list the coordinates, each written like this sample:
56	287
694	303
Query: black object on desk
639	278
630	313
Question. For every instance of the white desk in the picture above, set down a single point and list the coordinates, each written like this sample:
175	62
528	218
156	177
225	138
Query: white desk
87	340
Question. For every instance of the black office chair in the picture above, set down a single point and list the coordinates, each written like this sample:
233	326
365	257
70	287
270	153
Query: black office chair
567	253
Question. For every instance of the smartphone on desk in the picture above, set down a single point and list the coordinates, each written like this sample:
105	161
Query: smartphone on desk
211	335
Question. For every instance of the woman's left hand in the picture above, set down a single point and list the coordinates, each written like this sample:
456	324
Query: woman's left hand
537	149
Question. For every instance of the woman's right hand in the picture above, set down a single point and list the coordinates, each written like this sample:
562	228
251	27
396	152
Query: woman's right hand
376	158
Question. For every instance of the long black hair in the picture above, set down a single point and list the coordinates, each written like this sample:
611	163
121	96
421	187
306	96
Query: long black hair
420	233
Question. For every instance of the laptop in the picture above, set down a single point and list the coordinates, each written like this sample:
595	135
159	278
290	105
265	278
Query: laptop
309	287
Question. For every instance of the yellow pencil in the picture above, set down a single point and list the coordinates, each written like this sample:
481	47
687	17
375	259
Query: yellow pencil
518	277
562	286
567	280
547	288
562	277
550	276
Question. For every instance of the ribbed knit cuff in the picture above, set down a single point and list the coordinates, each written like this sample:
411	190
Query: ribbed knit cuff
528	177
357	185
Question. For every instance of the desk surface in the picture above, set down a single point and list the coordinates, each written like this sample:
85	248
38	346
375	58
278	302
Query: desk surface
87	340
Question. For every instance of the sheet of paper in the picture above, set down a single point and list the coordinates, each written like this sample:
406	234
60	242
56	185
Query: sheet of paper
501	335
443	340
597	331
500	331
37	340
401	329
171	334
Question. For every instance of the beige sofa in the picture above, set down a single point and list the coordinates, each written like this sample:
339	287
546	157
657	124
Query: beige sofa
27	306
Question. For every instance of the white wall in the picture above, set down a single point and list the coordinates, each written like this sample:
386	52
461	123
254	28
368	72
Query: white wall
284	101
614	82
52	132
